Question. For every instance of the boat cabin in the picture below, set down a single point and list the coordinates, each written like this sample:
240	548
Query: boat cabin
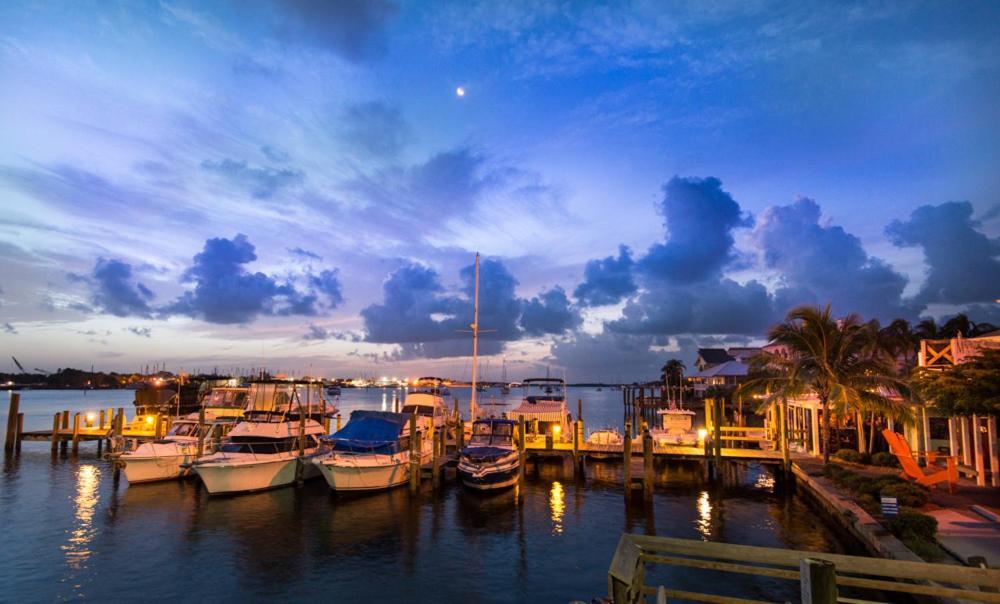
544	409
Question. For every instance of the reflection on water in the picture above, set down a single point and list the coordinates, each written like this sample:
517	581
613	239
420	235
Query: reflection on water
764	481
704	522
557	506
77	547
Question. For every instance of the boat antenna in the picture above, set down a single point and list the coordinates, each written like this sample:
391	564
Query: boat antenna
475	339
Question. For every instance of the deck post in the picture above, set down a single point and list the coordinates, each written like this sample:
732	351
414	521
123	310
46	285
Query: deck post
414	454
627	458
101	420
814	429
977	445
64	443
201	432
647	465
55	431
786	466
76	433
818	581
718	414
925	430
952	436
15	403
436	436
338	422
991	443
966	441
576	446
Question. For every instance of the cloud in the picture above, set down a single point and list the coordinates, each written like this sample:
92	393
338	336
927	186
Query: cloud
320	333
142	332
354	29
426	321
820	264
225	292
113	291
302	253
607	281
549	313
699	217
275	154
8	328
963	264
374	128
262	183
316	333
607	356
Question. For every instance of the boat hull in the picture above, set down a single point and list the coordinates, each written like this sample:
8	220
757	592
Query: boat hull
245	477
347	477
152	469
489	481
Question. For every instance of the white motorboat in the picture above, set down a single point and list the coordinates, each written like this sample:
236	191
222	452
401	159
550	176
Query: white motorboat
675	427
605	443
426	401
273	445
370	453
491	460
544	410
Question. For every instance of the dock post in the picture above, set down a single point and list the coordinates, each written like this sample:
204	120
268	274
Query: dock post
414	454
156	425
991	444
201	432
20	435
786	466
299	468
76	433
576	447
100	426
818	581
718	416
436	435
977	446
521	425
338	422
647	465
460	436
55	432
627	458
15	403
64	443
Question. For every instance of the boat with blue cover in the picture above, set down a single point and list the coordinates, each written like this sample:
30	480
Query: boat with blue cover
491	460
370	453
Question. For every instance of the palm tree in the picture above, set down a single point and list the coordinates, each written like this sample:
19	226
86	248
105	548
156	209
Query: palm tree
673	370
834	360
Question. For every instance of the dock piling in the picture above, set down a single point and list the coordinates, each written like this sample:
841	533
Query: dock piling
414	454
818	581
20	433
15	403
76	433
437	436
521	425
55	431
627	458
63	443
338	422
201	432
647	465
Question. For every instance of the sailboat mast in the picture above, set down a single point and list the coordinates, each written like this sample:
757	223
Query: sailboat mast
475	339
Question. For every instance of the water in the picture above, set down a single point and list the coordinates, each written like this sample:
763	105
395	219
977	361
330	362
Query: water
71	532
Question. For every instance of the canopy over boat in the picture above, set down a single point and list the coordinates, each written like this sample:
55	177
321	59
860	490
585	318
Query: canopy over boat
544	410
370	432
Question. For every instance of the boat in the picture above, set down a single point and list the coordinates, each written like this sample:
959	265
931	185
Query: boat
544	409
333	390
170	458
491	460
427	402
504	385
675	427
370	453
606	438
274	443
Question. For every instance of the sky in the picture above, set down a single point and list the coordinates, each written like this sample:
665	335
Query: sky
301	185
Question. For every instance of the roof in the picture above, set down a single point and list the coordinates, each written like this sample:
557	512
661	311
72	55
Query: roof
991	334
727	369
714	355
544	411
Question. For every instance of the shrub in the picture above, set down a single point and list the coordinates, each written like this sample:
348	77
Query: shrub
885	459
909	495
912	525
852	456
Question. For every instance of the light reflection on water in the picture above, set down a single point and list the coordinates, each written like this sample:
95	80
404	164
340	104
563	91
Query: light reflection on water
704	522
557	505
77	547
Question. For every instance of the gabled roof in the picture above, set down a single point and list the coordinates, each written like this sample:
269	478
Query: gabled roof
727	369
714	356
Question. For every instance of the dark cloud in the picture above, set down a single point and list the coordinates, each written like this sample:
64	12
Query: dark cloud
963	264
354	29
225	292
700	217
316	333
821	264
302	253
113	290
142	332
275	154
426	321
373	128
319	333
8	328
549	313
607	356
607	281
262	183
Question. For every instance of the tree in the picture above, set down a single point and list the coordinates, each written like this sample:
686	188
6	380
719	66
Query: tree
835	360
969	388
673	372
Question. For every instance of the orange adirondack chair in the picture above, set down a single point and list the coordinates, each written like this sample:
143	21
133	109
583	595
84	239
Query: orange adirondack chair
929	476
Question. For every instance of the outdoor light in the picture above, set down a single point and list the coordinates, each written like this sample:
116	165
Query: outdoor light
149	419
556	430
90	419
702	433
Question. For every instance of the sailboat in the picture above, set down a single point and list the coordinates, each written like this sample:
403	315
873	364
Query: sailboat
505	386
490	461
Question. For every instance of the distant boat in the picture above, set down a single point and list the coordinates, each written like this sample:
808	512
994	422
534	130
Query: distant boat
491	460
370	453
505	387
333	390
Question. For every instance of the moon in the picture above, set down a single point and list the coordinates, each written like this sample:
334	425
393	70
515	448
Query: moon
460	91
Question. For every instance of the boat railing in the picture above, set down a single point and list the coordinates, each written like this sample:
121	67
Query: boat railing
820	575
250	451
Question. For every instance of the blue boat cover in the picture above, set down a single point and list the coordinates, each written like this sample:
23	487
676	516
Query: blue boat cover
370	432
485	453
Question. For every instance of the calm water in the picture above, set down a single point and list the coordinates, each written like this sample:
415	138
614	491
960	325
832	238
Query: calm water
71	532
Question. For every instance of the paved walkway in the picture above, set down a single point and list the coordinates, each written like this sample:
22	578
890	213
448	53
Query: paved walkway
966	534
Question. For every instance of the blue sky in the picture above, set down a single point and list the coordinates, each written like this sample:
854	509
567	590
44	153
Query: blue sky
297	184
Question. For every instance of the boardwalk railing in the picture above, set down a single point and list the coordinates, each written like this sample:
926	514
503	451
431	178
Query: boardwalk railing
819	574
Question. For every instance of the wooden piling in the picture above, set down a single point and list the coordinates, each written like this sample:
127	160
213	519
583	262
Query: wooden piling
460	436
156	425
55	431
786	465
76	433
719	416
627	458
576	447
521	426
414	454
647	465
64	443
338	422
20	432
437	436
818	581
992	445
9	441
201	431
101	420
299	468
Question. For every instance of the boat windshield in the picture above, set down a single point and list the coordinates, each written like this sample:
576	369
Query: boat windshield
274	445
183	429
485	434
220	397
419	410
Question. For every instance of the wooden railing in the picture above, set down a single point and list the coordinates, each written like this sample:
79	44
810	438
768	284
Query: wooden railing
818	574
